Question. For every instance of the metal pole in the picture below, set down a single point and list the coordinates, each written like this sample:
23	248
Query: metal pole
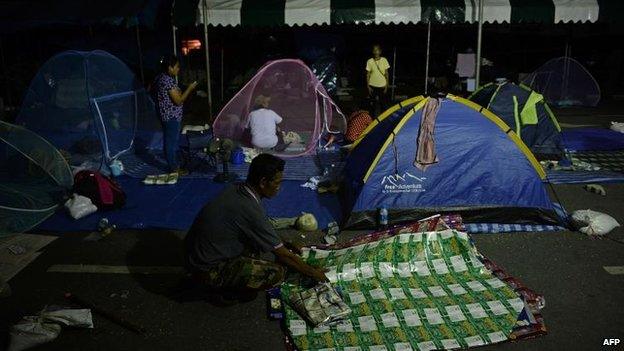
5	73
393	74
427	61
175	45
566	70
207	48
138	36
222	71
479	39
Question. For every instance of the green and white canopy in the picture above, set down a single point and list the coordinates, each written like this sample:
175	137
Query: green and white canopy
327	12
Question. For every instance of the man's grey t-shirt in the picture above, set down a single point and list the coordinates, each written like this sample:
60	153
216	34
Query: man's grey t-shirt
229	226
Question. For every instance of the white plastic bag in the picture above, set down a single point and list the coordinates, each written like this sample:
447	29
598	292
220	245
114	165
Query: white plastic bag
80	206
617	126
594	223
35	330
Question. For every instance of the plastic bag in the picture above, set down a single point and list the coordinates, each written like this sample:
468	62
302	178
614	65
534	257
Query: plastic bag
594	223
617	126
80	206
35	330
320	305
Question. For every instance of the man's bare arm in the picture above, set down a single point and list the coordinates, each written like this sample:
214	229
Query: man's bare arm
291	260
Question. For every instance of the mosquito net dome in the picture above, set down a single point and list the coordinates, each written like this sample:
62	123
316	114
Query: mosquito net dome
564	82
296	95
89	104
34	179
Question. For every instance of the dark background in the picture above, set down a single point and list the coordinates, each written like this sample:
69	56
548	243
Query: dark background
514	48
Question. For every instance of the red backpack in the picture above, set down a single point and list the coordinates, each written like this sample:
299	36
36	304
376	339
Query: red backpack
104	192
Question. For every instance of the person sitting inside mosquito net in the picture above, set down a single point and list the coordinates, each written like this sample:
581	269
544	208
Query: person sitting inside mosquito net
263	126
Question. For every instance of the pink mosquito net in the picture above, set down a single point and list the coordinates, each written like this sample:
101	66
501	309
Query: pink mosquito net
296	95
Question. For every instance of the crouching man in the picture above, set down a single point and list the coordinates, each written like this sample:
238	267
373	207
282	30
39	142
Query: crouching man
229	232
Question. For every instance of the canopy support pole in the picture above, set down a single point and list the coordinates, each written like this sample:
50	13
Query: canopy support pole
207	49
479	40
5	73
175	45
222	71
427	58
138	37
393	74
566	70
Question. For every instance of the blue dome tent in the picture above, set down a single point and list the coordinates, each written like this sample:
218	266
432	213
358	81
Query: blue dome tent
91	105
526	112
34	179
485	172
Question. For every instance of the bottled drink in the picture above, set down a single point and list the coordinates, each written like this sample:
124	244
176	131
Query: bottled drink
383	217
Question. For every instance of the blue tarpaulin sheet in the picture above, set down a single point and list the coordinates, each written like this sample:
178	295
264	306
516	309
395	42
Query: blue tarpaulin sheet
175	206
592	139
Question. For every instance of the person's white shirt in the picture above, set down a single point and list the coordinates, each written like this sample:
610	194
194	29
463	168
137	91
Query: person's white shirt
263	124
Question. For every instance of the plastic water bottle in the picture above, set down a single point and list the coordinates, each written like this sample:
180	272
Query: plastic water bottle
383	217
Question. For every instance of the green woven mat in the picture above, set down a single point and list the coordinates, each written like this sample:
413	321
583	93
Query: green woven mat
421	291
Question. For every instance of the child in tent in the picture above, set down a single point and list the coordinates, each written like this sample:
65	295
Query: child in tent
377	80
265	134
169	100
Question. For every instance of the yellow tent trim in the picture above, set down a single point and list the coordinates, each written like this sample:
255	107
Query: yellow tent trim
385	115
502	125
516	117
398	127
552	116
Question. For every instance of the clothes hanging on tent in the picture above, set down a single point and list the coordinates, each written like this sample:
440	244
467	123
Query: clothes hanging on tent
426	155
465	67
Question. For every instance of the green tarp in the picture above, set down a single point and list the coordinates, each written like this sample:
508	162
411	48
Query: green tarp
412	291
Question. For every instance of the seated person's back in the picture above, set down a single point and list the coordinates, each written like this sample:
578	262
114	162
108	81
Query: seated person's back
263	124
222	246
227	227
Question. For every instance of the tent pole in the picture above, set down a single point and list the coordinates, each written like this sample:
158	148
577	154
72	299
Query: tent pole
5	73
207	48
222	70
393	74
479	40
427	58
138	37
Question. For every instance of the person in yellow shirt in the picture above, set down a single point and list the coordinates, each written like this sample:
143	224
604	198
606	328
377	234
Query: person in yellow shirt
377	80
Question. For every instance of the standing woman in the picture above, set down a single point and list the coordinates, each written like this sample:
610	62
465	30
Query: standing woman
377	80
169	101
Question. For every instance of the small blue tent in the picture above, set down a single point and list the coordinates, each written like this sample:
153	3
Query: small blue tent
485	172
90	104
527	113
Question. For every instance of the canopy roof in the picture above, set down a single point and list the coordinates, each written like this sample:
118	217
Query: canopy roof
324	12
24	14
